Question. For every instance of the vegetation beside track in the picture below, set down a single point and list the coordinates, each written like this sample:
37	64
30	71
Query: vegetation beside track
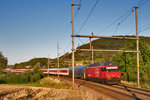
53	82
49	82
34	77
21	78
128	63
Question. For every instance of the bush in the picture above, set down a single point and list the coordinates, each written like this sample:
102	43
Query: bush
25	77
14	78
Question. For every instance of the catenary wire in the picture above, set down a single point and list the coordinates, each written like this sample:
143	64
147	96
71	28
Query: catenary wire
140	3
88	16
122	21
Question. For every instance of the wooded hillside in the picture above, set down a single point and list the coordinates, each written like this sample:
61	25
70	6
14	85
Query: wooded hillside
84	57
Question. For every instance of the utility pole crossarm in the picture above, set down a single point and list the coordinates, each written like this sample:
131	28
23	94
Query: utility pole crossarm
105	50
75	4
112	37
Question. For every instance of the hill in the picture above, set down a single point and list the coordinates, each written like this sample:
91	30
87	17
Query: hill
83	57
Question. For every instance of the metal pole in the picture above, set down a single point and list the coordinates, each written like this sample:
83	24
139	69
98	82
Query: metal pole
72	45
48	65
90	42
92	55
58	57
137	44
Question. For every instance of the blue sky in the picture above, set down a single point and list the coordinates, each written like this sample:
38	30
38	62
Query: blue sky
32	28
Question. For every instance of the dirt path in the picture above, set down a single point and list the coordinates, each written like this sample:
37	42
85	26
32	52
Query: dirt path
11	92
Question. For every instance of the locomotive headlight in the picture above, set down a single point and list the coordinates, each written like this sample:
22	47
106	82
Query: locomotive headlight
118	76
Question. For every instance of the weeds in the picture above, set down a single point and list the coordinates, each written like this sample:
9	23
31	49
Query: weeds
53	83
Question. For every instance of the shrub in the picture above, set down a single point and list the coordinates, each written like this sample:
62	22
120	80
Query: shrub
25	77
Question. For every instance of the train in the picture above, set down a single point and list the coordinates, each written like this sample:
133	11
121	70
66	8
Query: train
103	72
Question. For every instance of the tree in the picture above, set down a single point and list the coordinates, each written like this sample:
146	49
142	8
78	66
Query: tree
3	61
37	74
127	61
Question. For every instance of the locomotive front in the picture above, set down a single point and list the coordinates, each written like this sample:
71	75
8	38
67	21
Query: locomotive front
111	74
104	72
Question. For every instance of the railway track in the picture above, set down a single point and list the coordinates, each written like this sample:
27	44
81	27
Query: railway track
119	92
145	92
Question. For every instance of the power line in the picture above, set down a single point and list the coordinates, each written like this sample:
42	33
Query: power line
123	17
87	20
146	25
88	16
78	9
122	21
144	28
80	2
76	13
142	2
78	37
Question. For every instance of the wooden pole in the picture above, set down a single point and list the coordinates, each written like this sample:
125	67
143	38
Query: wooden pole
92	55
73	41
58	57
48	65
72	45
137	45
90	42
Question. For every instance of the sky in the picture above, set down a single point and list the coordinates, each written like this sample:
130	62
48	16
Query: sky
32	28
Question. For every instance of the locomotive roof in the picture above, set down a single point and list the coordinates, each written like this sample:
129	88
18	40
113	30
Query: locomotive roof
102	64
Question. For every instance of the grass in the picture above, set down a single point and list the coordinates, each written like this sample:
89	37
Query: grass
49	82
143	85
128	83
53	83
35	84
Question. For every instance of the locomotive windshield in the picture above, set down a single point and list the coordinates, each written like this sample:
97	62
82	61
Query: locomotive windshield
111	69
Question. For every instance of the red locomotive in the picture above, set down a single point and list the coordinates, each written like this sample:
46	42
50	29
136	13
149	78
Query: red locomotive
104	72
